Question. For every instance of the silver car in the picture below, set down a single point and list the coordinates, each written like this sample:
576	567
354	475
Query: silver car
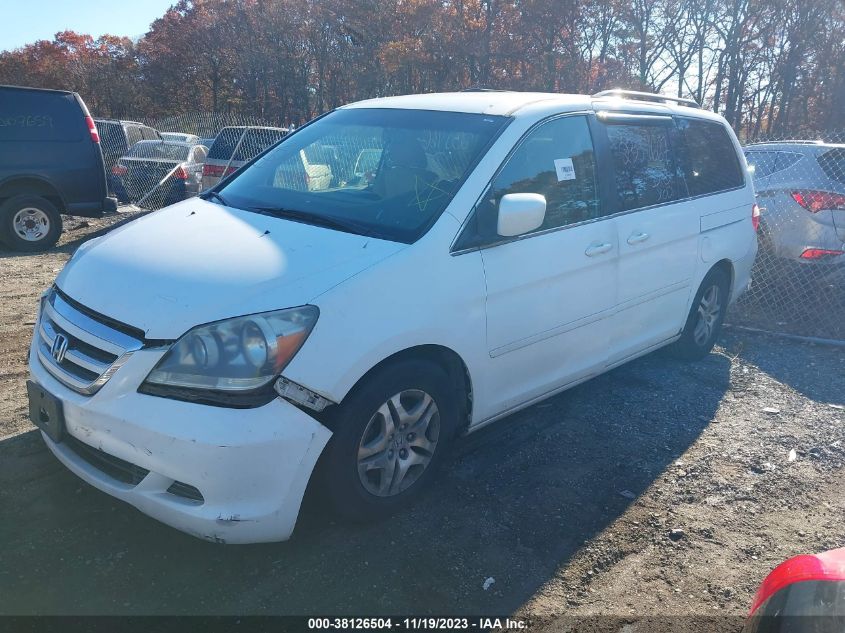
801	186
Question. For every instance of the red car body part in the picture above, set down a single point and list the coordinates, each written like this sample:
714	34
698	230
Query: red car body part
829	566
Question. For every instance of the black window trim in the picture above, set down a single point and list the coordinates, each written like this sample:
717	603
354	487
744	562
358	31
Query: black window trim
605	176
601	188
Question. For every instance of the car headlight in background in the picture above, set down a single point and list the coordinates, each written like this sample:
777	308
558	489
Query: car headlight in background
236	355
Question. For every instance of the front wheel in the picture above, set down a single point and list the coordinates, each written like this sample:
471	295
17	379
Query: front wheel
389	438
29	223
704	322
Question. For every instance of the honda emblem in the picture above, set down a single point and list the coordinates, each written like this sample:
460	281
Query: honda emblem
59	348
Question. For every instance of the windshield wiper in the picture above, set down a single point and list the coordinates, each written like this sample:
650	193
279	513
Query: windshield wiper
208	195
348	226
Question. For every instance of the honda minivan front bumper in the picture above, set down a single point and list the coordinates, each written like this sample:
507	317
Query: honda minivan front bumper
226	475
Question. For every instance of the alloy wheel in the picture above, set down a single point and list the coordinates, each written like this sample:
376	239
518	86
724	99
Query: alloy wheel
709	310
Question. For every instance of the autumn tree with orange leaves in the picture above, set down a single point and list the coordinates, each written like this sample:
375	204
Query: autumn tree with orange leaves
770	66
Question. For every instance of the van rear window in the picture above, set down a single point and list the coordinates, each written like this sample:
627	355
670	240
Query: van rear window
224	144
256	141
31	115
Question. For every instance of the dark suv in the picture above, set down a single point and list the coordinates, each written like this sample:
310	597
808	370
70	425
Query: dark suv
117	137
50	163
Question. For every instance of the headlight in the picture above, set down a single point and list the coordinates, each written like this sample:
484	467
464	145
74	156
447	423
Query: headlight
235	355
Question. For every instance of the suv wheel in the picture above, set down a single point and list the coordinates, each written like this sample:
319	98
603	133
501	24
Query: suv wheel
390	436
29	223
704	322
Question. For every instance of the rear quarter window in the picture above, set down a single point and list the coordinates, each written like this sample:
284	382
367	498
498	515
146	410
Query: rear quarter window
833	164
31	115
763	163
707	157
768	162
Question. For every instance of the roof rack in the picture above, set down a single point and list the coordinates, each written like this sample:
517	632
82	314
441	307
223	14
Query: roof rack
646	96
789	141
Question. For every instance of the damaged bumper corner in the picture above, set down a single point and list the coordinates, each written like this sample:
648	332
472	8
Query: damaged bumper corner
251	466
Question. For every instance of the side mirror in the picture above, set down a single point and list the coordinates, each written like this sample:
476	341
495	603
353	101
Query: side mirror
520	213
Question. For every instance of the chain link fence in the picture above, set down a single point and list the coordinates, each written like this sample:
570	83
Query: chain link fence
152	163
799	273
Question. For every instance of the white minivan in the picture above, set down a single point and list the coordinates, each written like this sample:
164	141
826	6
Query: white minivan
474	253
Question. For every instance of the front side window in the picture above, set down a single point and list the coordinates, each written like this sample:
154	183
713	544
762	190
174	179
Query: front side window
555	160
644	164
388	173
708	158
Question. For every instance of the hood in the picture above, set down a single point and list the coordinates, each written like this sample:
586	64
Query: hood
197	262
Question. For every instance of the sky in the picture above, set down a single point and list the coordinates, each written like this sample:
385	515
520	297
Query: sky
25	21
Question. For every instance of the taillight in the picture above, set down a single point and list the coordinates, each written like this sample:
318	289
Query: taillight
92	129
216	171
231	170
755	216
119	170
820	253
815	201
181	173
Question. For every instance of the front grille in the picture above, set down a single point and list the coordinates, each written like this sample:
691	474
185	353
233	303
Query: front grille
87	352
112	466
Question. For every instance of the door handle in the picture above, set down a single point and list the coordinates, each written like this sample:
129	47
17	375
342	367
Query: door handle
638	238
597	249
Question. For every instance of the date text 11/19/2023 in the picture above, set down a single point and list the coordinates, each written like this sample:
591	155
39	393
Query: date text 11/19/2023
418	624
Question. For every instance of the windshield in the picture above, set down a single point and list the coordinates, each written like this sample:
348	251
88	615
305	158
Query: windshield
385	173
158	150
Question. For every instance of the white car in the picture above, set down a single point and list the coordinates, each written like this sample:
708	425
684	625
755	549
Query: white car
500	247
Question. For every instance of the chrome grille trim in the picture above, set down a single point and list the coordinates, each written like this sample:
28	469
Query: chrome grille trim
88	339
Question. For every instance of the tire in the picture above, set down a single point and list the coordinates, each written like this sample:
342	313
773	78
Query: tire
29	223
697	339
369	489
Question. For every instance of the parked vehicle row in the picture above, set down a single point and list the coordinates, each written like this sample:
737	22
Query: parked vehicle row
462	256
56	159
169	171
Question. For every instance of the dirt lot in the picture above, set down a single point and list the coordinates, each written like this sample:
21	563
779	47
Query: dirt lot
568	506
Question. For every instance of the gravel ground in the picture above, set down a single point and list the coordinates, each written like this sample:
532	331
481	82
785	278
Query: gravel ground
659	489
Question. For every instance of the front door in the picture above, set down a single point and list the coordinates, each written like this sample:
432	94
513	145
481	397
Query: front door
550	294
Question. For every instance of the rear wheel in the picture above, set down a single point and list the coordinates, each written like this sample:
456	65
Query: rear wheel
30	223
390	436
704	322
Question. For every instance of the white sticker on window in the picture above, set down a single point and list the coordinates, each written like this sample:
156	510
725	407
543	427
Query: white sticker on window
564	169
